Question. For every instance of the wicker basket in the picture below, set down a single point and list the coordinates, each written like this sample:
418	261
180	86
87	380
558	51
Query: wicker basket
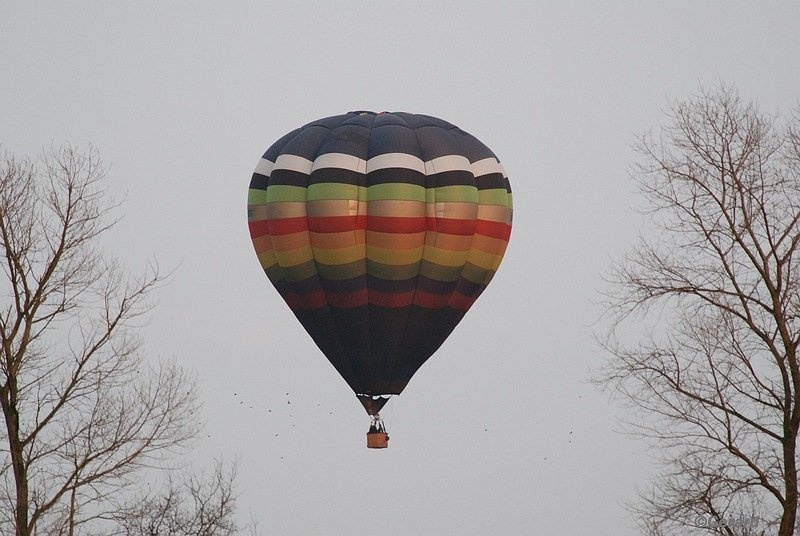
377	440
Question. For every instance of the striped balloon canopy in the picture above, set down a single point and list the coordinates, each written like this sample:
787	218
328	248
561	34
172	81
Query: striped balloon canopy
379	230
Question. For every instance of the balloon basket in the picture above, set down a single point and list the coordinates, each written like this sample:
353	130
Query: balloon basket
377	440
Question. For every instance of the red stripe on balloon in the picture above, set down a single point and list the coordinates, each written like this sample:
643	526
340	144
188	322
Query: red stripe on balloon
319	299
391	299
431	301
460	302
452	226
336	224
392	224
348	300
258	228
493	229
305	302
383	224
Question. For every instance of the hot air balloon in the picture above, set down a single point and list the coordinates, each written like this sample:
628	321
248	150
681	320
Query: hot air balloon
379	230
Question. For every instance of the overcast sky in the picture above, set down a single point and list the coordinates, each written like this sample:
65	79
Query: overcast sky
499	432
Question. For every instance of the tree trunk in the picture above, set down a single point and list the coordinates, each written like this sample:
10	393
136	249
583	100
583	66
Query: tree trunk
8	398
789	517
791	427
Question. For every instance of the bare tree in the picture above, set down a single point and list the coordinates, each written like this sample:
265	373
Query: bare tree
200	505
715	381
83	413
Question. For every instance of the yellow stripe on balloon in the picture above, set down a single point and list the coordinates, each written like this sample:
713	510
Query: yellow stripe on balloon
294	257
445	257
394	256
481	259
338	255
395	240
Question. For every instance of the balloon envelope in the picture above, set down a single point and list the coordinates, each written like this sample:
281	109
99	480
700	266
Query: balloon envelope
379	230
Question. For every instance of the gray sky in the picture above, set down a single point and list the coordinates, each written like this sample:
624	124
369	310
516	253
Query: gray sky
182	98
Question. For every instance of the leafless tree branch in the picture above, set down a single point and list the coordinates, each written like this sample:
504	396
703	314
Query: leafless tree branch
716	384
83	412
